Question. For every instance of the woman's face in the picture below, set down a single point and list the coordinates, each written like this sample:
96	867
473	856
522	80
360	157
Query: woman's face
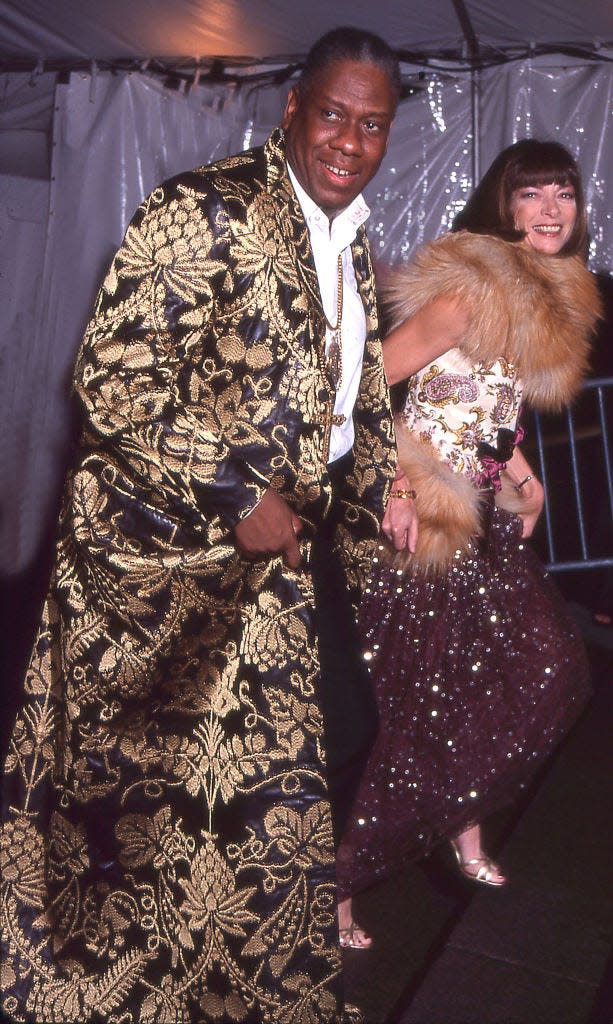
547	215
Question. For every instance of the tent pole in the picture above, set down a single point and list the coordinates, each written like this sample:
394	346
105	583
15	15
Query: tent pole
472	45
475	101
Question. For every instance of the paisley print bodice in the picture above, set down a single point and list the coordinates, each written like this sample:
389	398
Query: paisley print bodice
461	408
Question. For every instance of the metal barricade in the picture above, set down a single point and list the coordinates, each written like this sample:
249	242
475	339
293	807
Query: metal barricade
574	455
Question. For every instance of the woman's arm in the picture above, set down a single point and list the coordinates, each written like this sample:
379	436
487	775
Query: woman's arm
416	342
433	330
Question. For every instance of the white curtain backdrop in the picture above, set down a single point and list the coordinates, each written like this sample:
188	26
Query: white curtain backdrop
115	137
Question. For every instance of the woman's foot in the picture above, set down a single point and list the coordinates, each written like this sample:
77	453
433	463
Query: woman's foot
350	935
473	862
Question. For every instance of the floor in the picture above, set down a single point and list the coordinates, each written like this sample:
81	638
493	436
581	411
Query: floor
447	951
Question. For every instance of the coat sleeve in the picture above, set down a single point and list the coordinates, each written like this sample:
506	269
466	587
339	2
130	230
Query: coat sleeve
157	395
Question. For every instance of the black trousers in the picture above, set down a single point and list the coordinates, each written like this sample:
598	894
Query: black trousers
347	699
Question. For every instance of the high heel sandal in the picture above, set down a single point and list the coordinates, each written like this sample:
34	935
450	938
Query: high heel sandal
486	871
348	937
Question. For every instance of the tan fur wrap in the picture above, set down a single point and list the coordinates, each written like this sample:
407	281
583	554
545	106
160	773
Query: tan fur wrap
535	311
448	505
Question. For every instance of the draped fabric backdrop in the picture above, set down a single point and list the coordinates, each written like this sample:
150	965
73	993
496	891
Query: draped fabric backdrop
115	136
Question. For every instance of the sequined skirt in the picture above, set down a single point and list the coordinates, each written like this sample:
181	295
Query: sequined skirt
478	674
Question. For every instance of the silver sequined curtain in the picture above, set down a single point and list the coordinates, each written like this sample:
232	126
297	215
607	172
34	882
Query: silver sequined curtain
427	174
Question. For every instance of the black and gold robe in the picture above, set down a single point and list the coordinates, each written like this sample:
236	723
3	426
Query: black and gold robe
166	849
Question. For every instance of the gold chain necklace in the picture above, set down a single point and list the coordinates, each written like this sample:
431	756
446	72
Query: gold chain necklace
334	357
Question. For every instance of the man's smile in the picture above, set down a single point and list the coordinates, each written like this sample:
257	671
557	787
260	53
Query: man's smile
340	172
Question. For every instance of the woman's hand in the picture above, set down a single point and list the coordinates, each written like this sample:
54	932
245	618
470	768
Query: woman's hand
400	524
534	497
531	489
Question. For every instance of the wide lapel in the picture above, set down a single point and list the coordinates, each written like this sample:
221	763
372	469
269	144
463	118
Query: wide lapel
366	279
296	231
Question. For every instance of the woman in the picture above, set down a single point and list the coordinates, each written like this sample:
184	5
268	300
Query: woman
477	667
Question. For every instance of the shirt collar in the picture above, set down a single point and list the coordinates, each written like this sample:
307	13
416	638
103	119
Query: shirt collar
346	223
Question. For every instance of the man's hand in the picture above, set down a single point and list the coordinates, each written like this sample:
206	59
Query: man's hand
272	528
400	523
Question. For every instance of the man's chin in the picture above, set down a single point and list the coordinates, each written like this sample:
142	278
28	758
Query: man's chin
333	200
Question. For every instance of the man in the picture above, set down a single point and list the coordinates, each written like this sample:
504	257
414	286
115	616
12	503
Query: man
167	847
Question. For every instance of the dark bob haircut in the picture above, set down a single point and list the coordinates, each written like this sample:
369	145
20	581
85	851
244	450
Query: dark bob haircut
349	43
527	162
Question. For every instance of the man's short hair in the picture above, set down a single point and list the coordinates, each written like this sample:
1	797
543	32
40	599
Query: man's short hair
349	43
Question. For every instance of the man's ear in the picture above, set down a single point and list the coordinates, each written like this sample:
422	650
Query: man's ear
291	107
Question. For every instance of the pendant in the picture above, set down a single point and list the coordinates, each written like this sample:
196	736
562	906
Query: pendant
334	359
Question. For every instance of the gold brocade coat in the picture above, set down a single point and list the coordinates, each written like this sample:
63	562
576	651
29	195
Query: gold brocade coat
167	851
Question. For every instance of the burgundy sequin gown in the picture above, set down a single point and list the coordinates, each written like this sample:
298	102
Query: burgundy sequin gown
478	672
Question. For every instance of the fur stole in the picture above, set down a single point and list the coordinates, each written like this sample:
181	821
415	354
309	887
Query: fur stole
535	311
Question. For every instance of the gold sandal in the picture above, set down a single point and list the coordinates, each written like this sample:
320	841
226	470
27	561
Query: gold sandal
486	871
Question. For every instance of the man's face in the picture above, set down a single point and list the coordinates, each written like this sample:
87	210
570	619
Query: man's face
337	131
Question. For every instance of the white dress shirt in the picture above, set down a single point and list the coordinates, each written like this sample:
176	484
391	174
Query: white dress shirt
328	241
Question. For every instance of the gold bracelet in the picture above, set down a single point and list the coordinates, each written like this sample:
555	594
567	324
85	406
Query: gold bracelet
403	492
519	486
